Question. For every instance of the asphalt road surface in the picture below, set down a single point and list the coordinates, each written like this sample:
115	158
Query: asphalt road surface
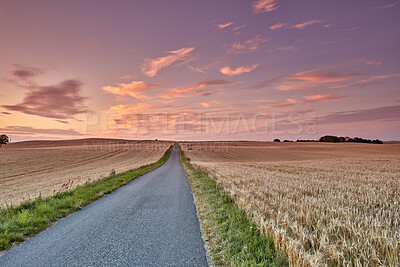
151	221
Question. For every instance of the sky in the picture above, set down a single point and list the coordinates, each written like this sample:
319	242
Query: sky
200	70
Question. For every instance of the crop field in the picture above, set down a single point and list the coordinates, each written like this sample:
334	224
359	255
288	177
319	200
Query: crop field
324	203
30	169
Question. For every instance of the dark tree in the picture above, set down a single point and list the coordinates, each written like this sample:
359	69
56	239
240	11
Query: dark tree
3	140
277	140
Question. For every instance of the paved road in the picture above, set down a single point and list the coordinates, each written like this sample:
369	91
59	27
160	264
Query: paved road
151	221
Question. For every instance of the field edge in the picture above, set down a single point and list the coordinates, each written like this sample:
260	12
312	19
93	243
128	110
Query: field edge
231	238
28	219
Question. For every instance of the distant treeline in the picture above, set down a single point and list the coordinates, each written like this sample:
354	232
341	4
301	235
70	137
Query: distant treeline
335	139
340	139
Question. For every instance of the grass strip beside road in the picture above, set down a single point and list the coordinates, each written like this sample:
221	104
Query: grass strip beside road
232	239
31	217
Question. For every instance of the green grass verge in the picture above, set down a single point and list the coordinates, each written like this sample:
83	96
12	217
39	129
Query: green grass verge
232	239
31	217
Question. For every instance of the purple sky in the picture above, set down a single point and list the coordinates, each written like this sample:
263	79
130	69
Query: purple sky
200	70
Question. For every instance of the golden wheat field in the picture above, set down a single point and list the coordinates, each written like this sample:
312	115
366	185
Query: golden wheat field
29	169
325	204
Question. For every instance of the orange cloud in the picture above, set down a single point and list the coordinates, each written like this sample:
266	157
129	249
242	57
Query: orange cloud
175	92
152	66
247	46
239	70
134	89
305	24
209	103
123	109
222	26
260	6
277	26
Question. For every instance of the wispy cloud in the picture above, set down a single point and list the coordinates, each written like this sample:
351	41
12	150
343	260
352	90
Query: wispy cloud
60	101
337	40
308	99
126	77
368	81
239	27
349	29
26	130
360	115
134	89
287	48
305	24
247	46
152	66
385	6
310	79
209	103
26	72
260	6
372	62
196	69
277	26
131	109
223	26
265	83
176	92
237	71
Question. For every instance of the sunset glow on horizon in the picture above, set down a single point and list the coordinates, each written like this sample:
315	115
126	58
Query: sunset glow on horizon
200	70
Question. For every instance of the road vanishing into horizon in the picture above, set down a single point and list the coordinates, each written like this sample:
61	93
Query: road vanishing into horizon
151	221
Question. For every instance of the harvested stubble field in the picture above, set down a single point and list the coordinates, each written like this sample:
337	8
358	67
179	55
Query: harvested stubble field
324	203
29	169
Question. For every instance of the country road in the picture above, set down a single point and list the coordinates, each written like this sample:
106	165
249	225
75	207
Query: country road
151	221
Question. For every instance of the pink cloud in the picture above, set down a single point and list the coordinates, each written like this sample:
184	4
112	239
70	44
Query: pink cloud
152	66
309	79
287	48
372	62
26	72
260	6
247	46
237	71
385	6
60	101
239	27
126	77
196	69
309	99
305	24
26	130
367	81
288	102
326	97
222	26
176	92
134	89
277	26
